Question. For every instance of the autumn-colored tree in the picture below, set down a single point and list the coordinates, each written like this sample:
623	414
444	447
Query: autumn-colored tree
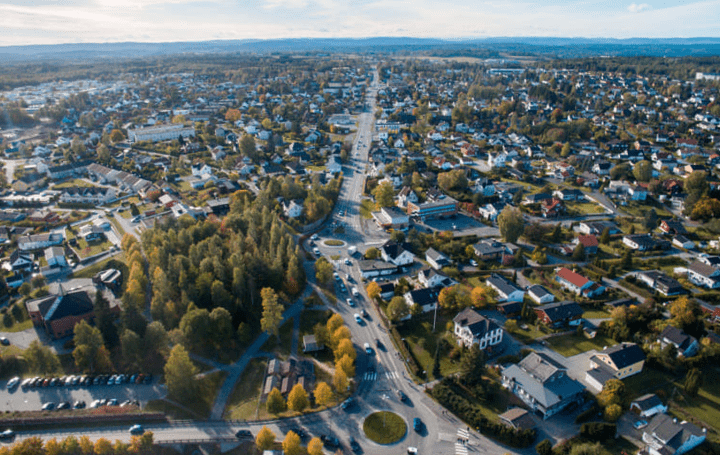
612	393
335	322
90	353
323	270
291	444
103	447
315	447
117	136
345	348
340	380
265	439
684	313
384	194
342	333
272	311
481	296
275	402
347	365
373	290
323	393
613	412
298	398
233	115
180	374
372	253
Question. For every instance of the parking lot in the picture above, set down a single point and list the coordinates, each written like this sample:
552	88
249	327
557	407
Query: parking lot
461	225
32	399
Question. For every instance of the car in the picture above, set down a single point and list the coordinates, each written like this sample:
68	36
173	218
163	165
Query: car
350	302
7	435
4	341
640	424
113	402
300	432
348	277
358	319
95	404
343	289
64	405
314	237
347	261
417	424
244	434
401	395
378	343
473	263
26	383
132	379
136	219
54	382
345	405
48	406
364	313
354	445
336	276
355	291
12	383
368	349
316	251
412	451
329	441
137	429
79	404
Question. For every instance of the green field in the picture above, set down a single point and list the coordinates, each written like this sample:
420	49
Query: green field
243	402
570	345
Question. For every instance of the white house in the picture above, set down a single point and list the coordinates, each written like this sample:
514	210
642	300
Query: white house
704	275
507	290
648	405
55	257
293	209
664	435
540	295
473	328
394	253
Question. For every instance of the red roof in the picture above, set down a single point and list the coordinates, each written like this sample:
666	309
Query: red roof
572	277
588	240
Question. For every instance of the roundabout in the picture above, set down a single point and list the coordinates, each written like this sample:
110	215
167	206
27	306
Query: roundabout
384	427
333	242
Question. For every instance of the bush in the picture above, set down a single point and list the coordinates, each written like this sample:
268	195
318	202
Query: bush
544	447
587	415
598	431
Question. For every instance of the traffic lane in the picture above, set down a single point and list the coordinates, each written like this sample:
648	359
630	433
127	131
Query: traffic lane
20	399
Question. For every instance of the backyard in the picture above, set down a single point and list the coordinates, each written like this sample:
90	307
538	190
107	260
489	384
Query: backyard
573	344
423	342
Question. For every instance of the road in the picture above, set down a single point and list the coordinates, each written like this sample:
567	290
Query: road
378	375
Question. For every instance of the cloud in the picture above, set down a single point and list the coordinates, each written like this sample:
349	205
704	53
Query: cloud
638	8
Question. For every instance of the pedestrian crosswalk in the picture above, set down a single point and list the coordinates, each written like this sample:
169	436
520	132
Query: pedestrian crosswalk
460	449
463	433
463	437
373	376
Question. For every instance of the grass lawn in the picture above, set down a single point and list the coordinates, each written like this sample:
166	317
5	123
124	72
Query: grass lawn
530	334
75	183
570	345
706	406
384	427
169	409
584	208
596	314
366	208
423	342
86	249
333	242
118	226
316	168
18	326
91	270
243	401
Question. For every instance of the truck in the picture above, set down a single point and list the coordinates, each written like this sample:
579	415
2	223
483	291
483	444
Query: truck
352	250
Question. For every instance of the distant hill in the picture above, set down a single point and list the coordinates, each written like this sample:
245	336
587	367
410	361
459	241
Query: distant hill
485	47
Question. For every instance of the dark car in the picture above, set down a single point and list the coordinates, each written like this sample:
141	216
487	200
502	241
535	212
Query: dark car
244	434
48	406
354	445
347	404
417	424
378	343
137	429
7	435
401	395
79	405
148	379
64	405
330	442
4	341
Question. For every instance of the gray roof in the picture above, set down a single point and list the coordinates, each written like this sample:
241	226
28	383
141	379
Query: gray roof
677	337
478	324
540	366
672	433
503	284
648	401
538	291
702	269
546	394
624	354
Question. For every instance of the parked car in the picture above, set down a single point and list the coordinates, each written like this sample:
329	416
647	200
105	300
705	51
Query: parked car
364	313
4	341
48	406
355	291
64	405
244	434
7	435
330	442
12	383
137	429
79	405
417	424
368	349
350	302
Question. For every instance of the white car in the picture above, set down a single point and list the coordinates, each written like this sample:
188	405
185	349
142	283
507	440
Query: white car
355	292
358	319
13	382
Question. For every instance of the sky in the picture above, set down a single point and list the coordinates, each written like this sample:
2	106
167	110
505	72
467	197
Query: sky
91	21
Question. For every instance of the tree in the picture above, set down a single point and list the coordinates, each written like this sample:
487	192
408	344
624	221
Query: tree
605	236
345	348
315	447
334	323
511	223
372	253
384	194
90	353
373	290
275	402
397	309
291	444
265	439
511	325
586	449
705	209
685	313
579	252
472	364
620	172
272	311
342	333
613	412
643	171
347	364
323	393
180	374
454	298
340	380
41	359
544	447
248	148
612	393
298	398
323	270
117	136
650	221
481	296
556	233
693	381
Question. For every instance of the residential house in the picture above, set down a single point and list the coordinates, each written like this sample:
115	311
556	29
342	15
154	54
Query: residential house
619	362
90	232
473	328
664	435
55	257
334	164
637	193
426	298
577	283
21	261
39	241
645	242
648	405
569	194
597	227
672	227
681	241
686	345
517	418
491	211
661	283
29	182
395	254
542	384
373	268
507	291
436	259
406	195
431	278
490	250
704	275
559	314
88	195
552	208
589	242
540	295
536	198
292	209
484	186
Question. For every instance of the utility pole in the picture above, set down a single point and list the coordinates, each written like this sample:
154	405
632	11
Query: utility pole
435	317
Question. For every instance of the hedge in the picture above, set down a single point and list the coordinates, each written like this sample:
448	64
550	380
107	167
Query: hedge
448	393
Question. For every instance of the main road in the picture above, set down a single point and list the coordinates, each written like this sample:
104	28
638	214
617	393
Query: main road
379	375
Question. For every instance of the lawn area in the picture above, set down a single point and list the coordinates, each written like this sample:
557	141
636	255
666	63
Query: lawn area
86	249
118	226
704	407
596	314
75	183
243	402
584	208
169	409
530	334
316	168
91	270
18	326
423	342
570	345
384	427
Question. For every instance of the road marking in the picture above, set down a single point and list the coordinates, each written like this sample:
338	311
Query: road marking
370	376
460	449
463	433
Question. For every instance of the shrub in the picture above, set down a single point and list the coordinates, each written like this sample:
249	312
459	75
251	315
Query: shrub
598	431
544	447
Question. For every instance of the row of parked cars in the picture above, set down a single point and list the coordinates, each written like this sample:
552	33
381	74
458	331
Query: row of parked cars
50	406
82	380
